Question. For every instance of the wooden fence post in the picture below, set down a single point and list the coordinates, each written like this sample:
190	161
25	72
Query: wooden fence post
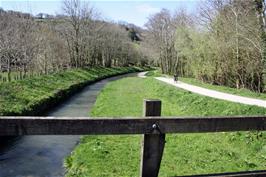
153	143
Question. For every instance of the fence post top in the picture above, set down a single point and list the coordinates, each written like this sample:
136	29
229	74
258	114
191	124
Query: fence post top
152	100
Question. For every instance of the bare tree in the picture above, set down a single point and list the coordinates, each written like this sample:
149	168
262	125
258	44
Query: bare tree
79	17
162	31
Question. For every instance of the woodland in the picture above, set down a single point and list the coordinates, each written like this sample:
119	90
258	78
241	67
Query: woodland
222	43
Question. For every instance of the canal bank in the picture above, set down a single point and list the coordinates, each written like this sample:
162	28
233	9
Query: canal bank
42	156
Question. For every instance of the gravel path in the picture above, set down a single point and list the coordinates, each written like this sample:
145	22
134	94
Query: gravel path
142	74
210	93
214	94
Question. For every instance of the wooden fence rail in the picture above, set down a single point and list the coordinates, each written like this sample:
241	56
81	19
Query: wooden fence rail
259	173
10	126
151	125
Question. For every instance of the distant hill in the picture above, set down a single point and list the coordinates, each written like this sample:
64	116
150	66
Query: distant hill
134	32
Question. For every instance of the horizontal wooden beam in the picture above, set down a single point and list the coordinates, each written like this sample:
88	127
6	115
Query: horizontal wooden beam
260	173
13	126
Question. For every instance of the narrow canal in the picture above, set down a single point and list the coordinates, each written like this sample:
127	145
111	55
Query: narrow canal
42	156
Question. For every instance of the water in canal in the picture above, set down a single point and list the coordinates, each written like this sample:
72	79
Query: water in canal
42	156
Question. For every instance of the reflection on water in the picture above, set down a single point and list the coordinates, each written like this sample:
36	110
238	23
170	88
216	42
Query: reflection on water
42	156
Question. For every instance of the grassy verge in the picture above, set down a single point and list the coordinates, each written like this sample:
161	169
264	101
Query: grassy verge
192	81
184	153
34	95
154	73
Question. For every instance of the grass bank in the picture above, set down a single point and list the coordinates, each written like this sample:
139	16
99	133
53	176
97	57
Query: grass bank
34	95
184	153
192	81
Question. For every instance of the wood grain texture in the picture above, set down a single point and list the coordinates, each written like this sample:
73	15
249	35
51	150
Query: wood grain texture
153	144
13	126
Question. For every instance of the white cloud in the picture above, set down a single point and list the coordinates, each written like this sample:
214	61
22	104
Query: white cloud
147	8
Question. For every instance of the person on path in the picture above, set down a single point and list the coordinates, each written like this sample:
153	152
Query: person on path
175	77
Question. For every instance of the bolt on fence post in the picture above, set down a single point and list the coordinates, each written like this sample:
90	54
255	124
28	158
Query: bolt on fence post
153	143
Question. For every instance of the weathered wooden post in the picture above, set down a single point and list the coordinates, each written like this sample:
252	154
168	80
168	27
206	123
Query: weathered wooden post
153	143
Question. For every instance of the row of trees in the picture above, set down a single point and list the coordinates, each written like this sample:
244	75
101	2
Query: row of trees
224	44
78	38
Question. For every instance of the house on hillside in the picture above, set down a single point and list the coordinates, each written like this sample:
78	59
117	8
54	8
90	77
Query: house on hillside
43	16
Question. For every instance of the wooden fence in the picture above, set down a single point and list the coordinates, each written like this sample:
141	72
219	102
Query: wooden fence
151	125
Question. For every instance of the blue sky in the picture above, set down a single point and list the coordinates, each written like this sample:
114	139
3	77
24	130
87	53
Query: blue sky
135	12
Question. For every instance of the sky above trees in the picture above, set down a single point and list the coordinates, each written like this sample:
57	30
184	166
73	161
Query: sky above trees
134	11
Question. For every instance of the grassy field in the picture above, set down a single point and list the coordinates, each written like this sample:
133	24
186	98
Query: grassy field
30	96
192	81
184	154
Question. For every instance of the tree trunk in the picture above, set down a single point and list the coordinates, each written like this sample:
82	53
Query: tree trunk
260	7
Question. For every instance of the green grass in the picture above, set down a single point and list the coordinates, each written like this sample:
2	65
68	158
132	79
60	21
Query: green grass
32	95
16	75
184	153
